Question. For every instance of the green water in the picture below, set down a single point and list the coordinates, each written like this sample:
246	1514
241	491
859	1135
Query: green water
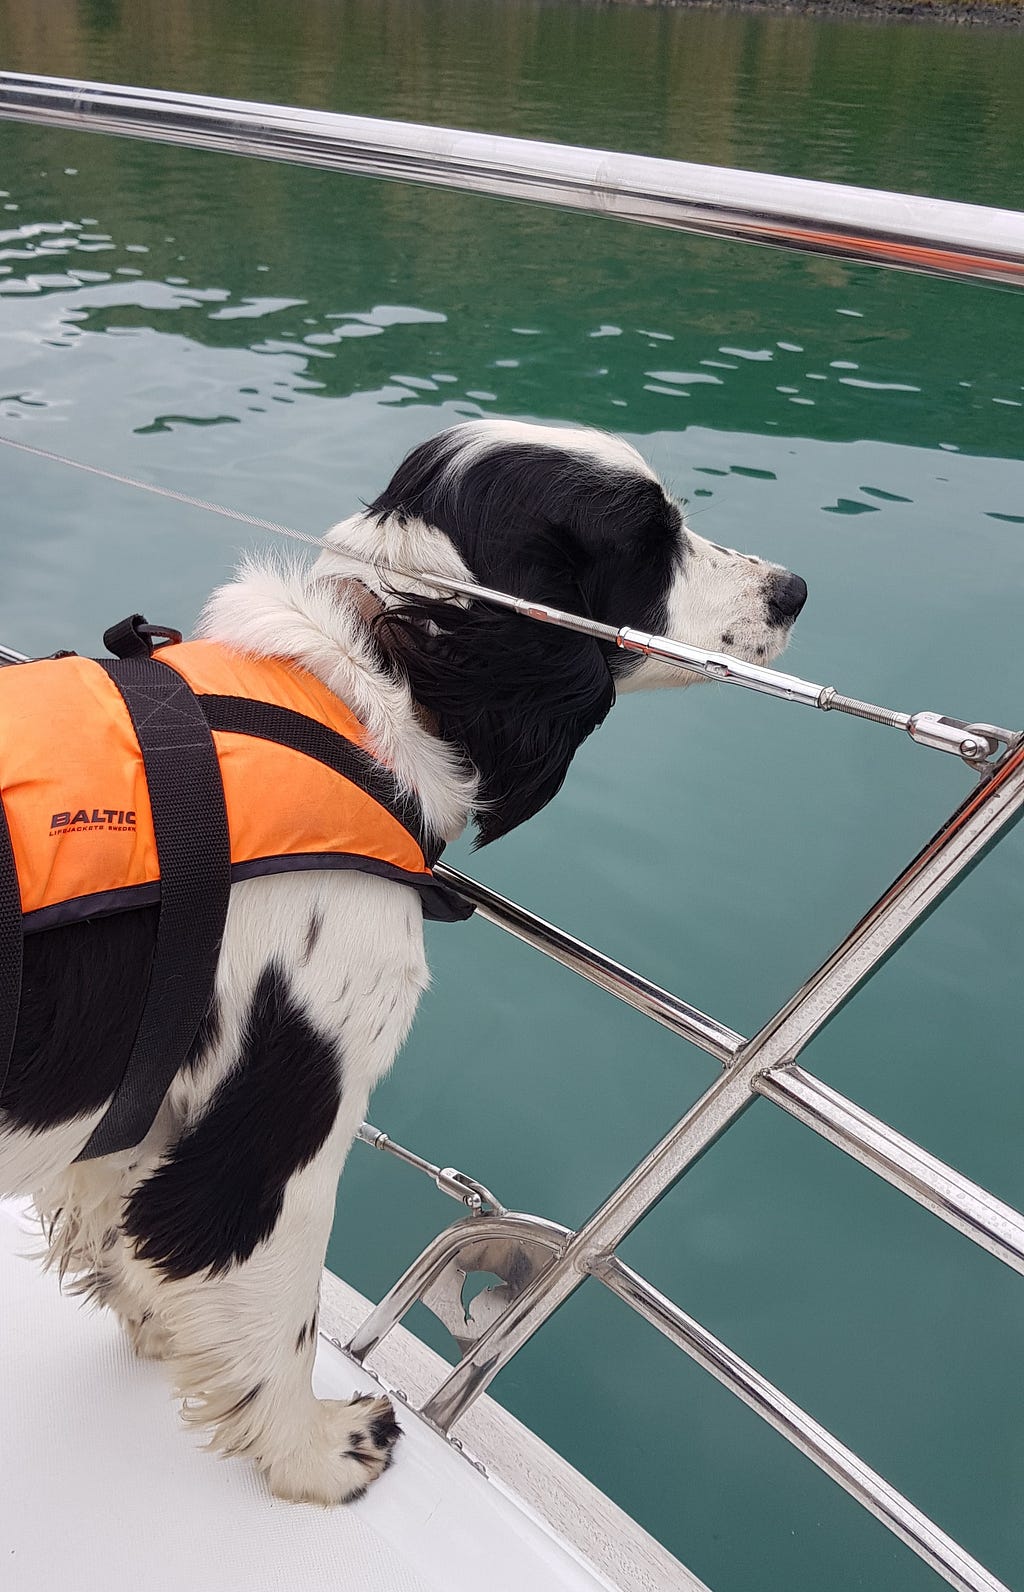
275	339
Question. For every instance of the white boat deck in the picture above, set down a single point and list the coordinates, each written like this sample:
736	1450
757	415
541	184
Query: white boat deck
102	1487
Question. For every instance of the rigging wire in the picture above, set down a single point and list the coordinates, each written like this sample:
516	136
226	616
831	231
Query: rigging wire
977	744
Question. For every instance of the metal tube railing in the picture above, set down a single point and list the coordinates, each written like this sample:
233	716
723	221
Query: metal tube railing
837	1461
972	829
669	1010
846	1468
441	1252
985	1220
903	231
955	1199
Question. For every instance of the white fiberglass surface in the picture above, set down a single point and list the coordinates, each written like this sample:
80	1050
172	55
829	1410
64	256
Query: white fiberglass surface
101	1487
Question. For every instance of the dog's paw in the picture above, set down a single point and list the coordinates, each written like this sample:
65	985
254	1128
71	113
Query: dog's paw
348	1447
147	1336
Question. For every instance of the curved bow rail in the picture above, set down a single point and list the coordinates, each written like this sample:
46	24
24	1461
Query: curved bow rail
540	1263
903	231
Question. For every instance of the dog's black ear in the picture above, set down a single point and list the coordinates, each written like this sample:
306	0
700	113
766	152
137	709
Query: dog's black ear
518	698
535	519
591	532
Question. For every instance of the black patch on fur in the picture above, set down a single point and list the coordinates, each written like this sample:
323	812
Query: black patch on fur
219	1192
83	989
246	1399
537	521
384	1020
727	638
385	1430
313	933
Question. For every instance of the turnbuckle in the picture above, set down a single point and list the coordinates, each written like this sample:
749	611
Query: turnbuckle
448	1179
978	744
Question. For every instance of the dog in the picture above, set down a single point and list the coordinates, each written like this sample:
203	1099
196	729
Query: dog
207	1240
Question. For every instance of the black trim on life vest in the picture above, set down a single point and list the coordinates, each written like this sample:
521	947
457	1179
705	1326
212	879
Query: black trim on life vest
268	722
11	947
191	830
440	902
102	904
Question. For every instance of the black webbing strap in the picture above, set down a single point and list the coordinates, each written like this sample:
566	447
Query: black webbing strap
240	716
191	830
11	944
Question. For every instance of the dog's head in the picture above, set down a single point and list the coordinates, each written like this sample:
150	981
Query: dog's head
570	517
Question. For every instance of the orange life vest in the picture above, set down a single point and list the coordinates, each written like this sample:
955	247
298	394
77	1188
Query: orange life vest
165	779
74	786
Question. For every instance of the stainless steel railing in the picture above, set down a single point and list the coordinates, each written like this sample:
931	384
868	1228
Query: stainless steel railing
541	1263
975	826
902	231
561	1260
987	1221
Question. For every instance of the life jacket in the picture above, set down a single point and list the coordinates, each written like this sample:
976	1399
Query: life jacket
163	778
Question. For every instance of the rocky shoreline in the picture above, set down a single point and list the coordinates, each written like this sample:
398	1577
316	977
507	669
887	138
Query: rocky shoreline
962	13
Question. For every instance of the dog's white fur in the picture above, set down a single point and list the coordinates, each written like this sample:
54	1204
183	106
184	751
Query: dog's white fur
230	1341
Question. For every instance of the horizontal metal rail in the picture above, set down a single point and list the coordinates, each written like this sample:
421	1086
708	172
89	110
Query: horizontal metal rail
988	1222
846	1468
955	1199
668	1010
903	231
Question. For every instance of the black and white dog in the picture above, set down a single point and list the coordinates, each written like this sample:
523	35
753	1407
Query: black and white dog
208	1240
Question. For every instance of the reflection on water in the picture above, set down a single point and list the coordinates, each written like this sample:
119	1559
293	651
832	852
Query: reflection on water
906	108
673	356
276	339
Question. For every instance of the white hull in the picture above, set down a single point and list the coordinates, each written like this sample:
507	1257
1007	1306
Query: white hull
102	1488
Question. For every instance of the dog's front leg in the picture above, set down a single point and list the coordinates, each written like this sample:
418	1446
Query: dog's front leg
243	1338
227	1235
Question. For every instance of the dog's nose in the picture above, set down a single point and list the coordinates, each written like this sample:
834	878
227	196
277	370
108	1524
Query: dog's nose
786	596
